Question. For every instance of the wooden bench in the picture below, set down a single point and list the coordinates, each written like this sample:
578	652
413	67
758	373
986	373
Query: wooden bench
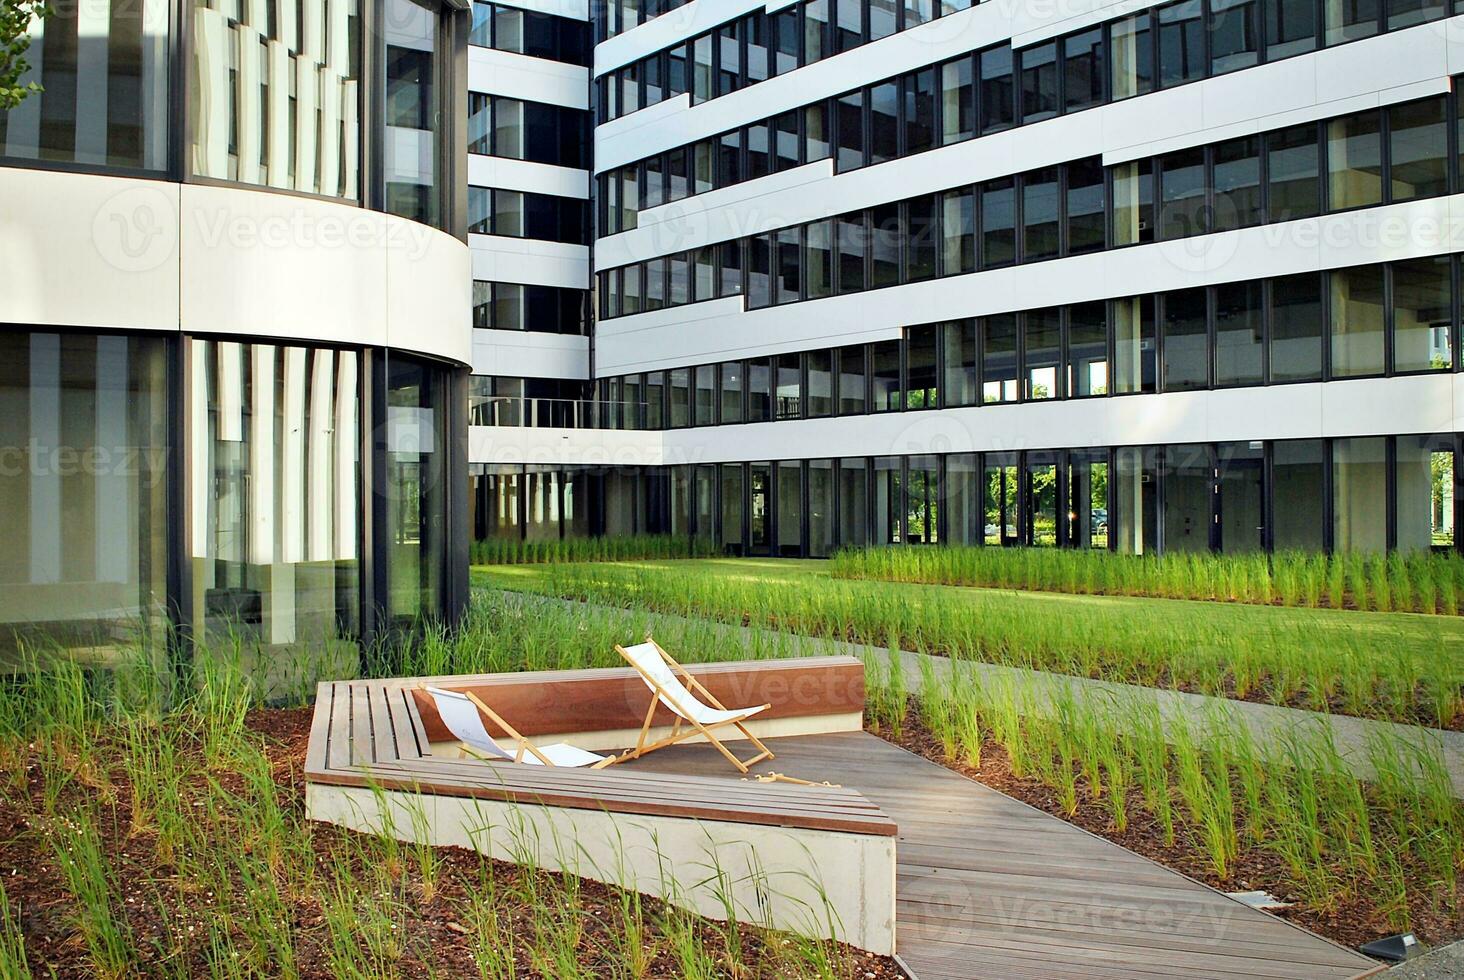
371	765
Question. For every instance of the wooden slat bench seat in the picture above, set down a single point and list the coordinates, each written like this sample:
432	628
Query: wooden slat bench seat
371	765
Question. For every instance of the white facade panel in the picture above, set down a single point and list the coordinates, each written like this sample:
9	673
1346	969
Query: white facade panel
525	354
519	175
540	263
78	250
521	77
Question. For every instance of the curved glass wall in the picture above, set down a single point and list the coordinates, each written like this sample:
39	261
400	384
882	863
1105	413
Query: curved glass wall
275	497
103	69
276	94
415	489
83	460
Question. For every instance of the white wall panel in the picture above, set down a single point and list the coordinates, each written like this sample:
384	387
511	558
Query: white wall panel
78	250
428	290
590	447
519	175
282	266
1304	411
1341	408
526	354
521	77
87	251
526	260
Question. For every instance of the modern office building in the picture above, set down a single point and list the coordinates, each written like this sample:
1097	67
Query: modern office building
234	296
1143	276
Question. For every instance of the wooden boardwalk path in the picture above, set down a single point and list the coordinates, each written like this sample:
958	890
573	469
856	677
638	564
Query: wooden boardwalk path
989	887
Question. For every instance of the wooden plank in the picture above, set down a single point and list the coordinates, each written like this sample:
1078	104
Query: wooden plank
407	780
968	856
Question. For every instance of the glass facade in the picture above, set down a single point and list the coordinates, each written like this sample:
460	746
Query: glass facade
83	487
277	94
275	494
103	69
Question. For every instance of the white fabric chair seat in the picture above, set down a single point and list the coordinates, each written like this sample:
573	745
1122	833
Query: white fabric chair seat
462	718
648	661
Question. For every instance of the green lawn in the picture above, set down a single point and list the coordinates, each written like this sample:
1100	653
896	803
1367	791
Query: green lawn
1401	666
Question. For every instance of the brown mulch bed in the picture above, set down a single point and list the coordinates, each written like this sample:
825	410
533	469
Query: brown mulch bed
437	943
1350	924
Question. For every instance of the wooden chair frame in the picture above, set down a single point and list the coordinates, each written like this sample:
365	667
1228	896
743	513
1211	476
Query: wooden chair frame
524	745
683	716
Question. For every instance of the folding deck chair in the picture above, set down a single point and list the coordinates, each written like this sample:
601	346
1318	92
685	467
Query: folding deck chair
696	707
462	713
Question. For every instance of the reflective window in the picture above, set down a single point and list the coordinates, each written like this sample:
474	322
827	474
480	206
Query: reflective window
958	101
998	223
819	259
884	375
1235	35
1296	328
1084	72
921	226
1355	161
886	235
852	246
1133	202
1087	349
958	232
1181	42
1297	488
997	96
999	358
1185	340
1131	47
851	376
84	493
1291	28
1182	193
820	386
1418	149
1348	20
1086	220
960	385
1236	179
1293	173
922	380
1423	314
1039	82
1239	333
1042	333
884	122
732	393
1360	494
1357	321
416	490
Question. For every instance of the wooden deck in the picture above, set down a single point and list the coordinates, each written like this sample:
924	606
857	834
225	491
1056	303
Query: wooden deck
370	733
990	887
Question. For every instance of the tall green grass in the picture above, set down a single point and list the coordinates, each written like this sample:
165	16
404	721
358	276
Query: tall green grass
178	838
1394	844
1373	667
1421	582
493	551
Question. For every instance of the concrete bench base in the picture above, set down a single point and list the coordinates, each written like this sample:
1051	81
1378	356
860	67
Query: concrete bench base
817	883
